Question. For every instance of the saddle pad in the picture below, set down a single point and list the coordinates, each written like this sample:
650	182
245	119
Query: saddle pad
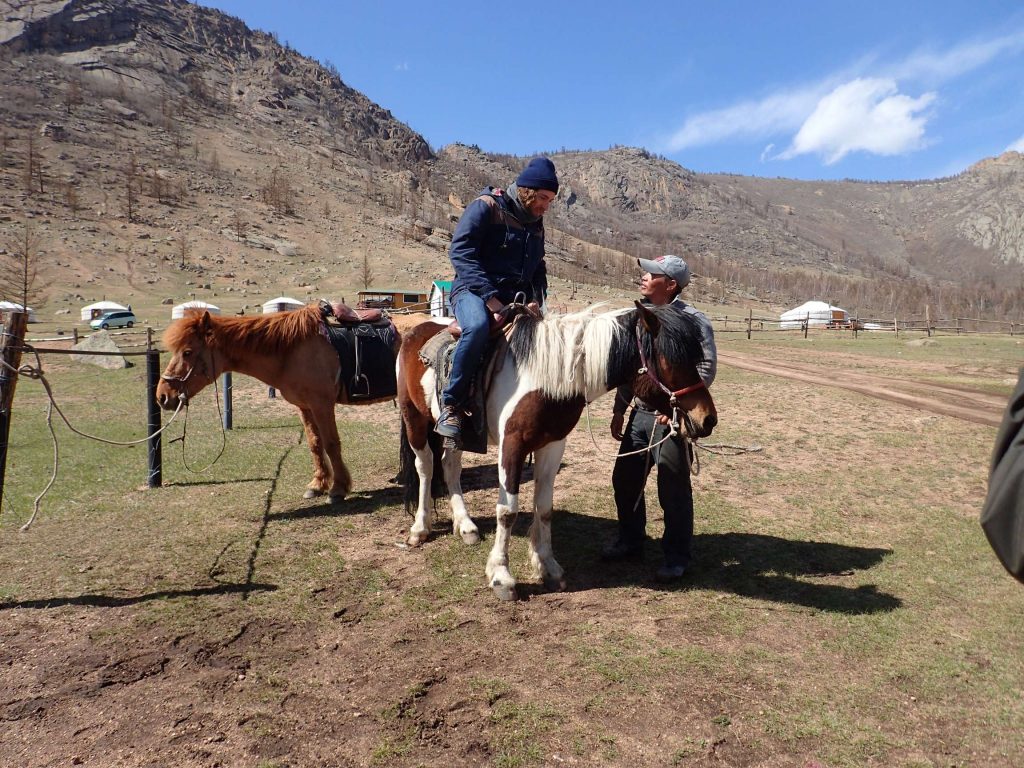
367	359
437	353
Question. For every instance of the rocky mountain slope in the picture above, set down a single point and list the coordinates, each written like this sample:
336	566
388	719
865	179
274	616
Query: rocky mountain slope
157	149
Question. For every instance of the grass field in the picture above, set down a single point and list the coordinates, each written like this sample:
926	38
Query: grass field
844	608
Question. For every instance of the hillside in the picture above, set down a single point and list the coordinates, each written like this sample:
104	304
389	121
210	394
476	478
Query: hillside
158	149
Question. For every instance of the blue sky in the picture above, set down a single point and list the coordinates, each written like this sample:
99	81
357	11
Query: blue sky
808	90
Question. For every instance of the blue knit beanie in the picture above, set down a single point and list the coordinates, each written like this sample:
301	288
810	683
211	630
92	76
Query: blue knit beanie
539	174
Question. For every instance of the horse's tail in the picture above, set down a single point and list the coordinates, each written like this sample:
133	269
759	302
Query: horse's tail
407	474
409	477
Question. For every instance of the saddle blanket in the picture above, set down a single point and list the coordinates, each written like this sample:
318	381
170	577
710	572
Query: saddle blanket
437	353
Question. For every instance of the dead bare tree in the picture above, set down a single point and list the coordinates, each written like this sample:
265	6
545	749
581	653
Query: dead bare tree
366	273
71	197
278	192
33	165
19	268
239	225
131	172
72	94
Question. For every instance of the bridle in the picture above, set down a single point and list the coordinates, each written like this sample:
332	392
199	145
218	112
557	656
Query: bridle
651	371
182	393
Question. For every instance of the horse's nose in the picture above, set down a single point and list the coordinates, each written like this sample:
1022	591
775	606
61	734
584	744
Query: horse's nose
706	425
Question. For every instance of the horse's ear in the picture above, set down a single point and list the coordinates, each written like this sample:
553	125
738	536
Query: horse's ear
647	319
205	324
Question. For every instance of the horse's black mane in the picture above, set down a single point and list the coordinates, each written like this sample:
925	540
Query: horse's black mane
678	341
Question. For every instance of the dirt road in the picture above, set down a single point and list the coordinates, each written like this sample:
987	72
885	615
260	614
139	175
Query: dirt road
964	403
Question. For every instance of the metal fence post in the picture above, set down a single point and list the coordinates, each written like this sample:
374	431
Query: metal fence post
227	399
155	452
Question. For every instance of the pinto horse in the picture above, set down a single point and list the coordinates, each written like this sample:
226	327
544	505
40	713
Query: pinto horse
287	351
539	384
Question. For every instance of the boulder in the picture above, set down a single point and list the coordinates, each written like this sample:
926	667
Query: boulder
100	341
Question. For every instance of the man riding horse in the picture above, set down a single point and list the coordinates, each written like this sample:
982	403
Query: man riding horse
497	252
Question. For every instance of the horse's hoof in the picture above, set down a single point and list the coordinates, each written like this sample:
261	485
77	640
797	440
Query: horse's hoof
470	537
416	540
337	498
312	493
554	585
504	592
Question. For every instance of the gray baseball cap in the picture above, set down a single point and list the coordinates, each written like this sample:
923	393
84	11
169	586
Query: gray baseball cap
672	266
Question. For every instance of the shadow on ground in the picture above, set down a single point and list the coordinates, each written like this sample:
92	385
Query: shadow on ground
108	601
770	568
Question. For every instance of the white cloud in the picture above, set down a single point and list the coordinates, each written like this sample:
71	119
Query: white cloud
773	114
766	153
858	108
945	65
402	67
1017	146
866	114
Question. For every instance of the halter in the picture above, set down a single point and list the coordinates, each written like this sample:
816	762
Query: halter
645	367
182	395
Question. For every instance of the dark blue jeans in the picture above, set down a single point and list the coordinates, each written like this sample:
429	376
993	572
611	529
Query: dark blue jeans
674	491
475	320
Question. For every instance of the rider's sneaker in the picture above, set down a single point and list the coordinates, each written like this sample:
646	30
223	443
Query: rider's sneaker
449	423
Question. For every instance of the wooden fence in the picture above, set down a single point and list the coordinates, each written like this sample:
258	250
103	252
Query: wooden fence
930	327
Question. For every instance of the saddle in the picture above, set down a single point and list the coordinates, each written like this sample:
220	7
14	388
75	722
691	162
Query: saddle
343	314
364	340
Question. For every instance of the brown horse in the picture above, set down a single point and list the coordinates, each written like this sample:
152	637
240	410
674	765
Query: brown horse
288	351
539	386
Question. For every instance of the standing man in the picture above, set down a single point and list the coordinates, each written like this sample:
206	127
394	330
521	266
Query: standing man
663	281
1002	517
497	251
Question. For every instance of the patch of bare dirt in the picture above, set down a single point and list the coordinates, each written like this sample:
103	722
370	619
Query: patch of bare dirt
960	402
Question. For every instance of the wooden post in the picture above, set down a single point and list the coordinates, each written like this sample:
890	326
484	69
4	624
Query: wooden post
12	336
958	326
856	322
750	320
74	332
896	326
928	319
807	324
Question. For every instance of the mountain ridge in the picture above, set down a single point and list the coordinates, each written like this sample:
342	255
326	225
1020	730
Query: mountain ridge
222	121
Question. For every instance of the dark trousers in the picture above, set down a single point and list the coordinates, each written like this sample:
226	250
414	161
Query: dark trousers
674	491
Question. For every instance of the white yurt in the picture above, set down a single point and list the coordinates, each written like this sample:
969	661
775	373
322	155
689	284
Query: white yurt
181	309
10	306
97	309
815	313
281	304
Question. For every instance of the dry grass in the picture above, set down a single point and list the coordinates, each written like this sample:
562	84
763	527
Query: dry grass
844	608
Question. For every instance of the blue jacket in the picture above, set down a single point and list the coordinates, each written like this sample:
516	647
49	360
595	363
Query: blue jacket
495	254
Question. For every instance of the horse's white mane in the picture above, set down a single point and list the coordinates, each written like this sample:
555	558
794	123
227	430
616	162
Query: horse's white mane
570	353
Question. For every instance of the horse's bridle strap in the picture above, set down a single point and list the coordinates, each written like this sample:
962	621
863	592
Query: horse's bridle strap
673	396
687	390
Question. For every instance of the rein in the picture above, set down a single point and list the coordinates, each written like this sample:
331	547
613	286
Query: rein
183	399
